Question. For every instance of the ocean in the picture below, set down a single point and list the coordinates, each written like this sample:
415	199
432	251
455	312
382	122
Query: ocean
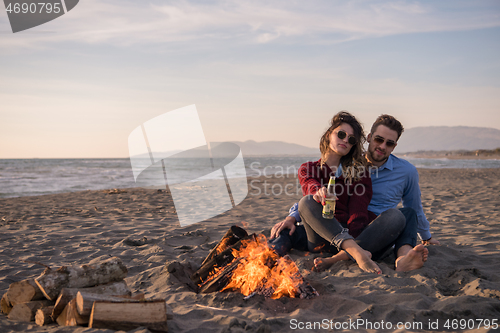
28	177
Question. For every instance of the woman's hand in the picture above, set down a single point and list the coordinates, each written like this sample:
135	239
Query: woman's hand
321	195
287	223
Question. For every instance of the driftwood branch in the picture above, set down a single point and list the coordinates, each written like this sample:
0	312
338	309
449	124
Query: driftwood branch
35	262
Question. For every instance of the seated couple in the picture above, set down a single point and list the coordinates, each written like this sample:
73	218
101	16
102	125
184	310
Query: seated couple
369	186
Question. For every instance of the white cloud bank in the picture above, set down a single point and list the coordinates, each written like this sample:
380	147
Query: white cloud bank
125	23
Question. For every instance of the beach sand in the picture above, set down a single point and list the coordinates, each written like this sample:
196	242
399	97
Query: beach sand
461	279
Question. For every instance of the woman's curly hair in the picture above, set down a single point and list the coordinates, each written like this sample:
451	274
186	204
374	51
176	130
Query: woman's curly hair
353	164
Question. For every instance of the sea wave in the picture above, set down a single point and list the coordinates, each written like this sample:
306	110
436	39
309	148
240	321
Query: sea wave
27	177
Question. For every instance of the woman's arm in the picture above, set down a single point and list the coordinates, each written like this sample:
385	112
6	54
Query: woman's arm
310	177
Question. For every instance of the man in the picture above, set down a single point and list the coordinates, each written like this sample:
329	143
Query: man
393	180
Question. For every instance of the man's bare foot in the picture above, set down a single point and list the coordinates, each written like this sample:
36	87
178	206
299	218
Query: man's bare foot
320	264
414	259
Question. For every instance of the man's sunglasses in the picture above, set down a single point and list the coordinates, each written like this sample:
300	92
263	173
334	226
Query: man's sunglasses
341	135
380	140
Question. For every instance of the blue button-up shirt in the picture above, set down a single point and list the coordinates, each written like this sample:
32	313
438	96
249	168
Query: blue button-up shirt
395	181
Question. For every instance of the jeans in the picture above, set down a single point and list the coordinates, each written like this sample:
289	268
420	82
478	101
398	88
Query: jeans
316	234
322	233
394	227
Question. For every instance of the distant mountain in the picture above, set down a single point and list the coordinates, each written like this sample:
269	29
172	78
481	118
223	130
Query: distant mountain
436	138
275	148
448	138
248	148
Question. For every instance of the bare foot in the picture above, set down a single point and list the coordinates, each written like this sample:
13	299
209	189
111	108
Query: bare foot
362	259
414	259
320	264
368	265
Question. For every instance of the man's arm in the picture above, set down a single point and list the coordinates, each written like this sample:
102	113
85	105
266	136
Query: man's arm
308	178
412	198
294	212
287	223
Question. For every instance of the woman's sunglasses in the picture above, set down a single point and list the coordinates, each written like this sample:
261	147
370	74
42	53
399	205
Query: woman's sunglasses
380	140
341	135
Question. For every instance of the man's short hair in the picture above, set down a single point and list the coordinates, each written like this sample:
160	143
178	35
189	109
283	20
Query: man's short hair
390	122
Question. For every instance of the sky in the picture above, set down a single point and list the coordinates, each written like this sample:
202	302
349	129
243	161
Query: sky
77	86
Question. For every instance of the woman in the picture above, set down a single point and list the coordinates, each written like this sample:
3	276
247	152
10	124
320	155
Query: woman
341	149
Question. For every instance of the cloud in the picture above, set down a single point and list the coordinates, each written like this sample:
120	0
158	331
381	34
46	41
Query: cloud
124	23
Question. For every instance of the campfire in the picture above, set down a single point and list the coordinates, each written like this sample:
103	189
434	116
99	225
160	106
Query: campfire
245	263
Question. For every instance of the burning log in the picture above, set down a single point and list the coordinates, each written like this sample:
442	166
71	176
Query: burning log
302	288
232	236
44	316
220	260
26	311
24	291
221	279
5	306
51	282
129	315
257	269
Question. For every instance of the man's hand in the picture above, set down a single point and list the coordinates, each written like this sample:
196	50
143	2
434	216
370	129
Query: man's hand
288	223
431	241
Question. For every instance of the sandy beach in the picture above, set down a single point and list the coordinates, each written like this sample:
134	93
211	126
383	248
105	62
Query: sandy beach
460	281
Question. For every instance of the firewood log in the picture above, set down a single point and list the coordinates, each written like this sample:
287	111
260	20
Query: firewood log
119	288
5	306
129	315
304	289
66	295
218	261
136	297
221	280
26	311
85	300
70	316
44	316
232	236
51	282
24	291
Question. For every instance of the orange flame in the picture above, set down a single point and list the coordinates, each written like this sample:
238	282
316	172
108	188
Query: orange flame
261	269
